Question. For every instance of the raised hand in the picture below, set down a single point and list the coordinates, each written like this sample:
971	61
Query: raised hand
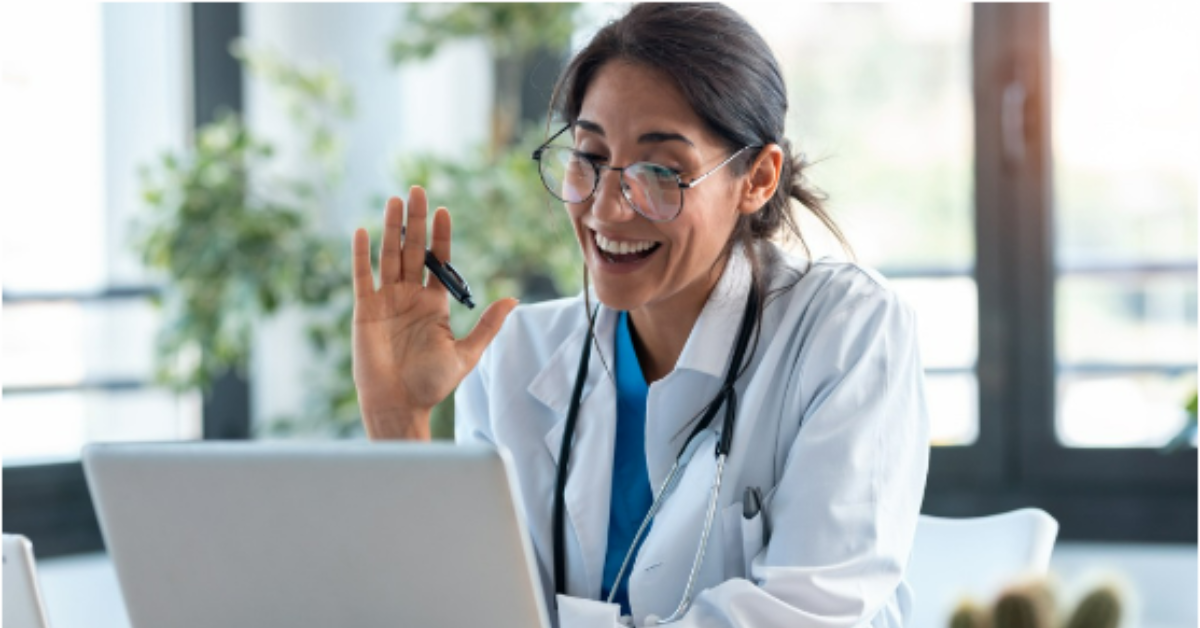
406	358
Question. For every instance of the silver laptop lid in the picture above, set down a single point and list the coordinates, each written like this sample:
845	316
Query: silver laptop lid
322	534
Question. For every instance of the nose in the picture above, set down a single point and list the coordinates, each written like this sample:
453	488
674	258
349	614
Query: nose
609	204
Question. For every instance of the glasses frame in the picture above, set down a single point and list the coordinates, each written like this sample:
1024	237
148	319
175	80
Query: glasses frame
597	168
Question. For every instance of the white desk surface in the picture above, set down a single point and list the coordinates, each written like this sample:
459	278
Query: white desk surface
82	591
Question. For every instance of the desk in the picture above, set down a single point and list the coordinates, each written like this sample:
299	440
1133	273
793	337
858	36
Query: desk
81	591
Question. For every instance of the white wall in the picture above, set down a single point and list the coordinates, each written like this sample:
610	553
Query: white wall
442	104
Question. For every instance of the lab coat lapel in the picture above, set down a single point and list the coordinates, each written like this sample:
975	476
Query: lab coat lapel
589	473
676	400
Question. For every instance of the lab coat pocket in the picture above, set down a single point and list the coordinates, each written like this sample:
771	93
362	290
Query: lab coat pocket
743	540
752	541
731	540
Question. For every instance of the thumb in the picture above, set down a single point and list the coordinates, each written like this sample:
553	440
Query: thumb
472	345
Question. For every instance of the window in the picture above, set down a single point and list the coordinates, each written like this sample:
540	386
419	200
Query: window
880	99
80	332
79	326
990	161
1125	160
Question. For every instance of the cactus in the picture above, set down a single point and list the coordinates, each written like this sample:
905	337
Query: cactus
1022	607
1032	605
969	615
1099	609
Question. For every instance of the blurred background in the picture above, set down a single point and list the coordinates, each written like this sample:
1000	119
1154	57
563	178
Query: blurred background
180	184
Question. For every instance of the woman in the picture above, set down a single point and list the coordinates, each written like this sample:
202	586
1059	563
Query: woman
795	386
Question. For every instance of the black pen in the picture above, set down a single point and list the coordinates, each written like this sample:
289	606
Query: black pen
450	278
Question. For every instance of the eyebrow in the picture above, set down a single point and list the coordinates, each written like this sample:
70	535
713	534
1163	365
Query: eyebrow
653	137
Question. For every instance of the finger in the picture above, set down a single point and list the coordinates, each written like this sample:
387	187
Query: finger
440	242
413	255
441	234
471	347
364	282
389	253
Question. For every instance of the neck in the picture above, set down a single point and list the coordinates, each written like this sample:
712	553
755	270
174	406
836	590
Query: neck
661	330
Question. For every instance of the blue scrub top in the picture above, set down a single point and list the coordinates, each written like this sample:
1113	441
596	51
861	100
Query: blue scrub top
631	493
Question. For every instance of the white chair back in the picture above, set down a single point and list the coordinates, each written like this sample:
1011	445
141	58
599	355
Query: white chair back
23	607
974	557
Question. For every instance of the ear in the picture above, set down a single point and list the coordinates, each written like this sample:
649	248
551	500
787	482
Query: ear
762	179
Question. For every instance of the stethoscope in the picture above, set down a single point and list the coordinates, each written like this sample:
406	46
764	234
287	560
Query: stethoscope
726	395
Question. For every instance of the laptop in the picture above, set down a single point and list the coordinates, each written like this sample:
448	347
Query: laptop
243	534
23	607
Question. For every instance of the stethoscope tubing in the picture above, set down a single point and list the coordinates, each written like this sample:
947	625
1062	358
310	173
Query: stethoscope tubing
727	396
686	600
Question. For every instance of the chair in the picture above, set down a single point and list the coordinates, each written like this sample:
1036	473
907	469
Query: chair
23	607
974	557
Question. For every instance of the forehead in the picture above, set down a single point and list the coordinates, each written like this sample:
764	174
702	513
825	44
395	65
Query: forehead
627	100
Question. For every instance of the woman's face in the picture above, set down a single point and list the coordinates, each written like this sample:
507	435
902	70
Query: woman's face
631	114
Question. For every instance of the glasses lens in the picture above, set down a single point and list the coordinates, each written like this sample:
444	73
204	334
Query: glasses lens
653	190
569	177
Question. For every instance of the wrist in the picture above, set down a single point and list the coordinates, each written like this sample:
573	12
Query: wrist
396	424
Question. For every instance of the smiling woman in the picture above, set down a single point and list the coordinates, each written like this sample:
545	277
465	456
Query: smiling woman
800	503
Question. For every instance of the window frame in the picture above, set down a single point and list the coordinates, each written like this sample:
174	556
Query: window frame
1112	494
50	503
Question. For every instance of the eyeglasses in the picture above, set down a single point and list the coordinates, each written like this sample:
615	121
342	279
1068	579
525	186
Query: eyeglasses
654	191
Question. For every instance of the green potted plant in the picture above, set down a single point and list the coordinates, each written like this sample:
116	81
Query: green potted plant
236	247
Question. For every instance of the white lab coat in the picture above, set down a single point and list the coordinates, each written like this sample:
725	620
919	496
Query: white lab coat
832	426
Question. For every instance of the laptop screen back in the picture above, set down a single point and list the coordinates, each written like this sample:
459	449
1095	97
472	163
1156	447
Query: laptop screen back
329	534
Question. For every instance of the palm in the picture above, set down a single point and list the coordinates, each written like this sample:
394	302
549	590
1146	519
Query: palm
405	355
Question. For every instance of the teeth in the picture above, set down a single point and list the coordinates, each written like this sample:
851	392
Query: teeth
621	247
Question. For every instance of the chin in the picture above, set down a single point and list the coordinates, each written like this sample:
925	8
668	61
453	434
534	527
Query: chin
614	296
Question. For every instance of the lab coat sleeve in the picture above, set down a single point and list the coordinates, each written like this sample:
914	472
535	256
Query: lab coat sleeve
845	509
472	416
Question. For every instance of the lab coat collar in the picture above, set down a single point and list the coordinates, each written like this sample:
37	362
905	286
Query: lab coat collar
554	384
710	344
707	349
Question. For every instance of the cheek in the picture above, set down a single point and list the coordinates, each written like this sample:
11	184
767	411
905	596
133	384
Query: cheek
575	212
706	228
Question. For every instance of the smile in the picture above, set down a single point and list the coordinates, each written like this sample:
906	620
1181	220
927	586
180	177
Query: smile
623	255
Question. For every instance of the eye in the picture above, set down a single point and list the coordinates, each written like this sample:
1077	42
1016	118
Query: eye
593	157
667	160
667	171
659	171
